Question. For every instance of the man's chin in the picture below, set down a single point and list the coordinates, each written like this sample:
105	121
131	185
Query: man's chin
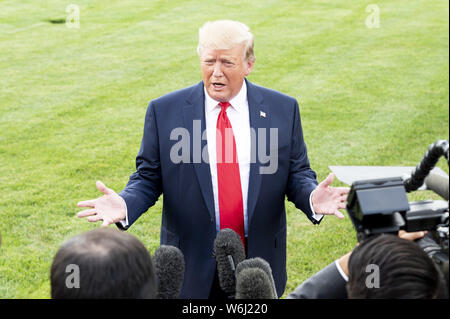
219	96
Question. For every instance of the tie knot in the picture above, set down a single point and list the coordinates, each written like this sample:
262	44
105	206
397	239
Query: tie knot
224	105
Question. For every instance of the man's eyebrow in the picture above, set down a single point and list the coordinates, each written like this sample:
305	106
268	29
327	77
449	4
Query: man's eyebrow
222	59
227	59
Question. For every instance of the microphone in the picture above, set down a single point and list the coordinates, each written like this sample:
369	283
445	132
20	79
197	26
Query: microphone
438	184
254	280
253	283
169	268
229	252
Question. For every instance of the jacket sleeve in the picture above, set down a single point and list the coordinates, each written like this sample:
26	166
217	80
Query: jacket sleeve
144	186
326	284
302	179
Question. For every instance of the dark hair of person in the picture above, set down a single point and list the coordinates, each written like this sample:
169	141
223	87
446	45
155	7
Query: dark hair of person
405	270
111	264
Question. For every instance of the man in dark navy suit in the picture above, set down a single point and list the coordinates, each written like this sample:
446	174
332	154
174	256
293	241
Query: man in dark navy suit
225	153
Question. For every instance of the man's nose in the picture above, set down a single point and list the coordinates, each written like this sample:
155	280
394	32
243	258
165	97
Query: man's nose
217	70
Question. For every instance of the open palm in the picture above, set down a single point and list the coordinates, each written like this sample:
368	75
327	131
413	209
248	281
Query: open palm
327	200
110	208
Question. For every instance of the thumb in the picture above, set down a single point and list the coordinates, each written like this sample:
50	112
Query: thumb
339	215
102	188
105	223
327	181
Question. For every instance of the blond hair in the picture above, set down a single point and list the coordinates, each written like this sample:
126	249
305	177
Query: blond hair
224	35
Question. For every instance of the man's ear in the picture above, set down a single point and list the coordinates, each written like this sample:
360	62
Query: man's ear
249	68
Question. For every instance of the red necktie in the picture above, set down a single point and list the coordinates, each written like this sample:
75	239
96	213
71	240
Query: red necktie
231	207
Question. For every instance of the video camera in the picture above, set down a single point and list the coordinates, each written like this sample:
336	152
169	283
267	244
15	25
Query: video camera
381	206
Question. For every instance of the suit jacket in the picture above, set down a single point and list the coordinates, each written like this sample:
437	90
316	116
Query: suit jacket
188	217
326	284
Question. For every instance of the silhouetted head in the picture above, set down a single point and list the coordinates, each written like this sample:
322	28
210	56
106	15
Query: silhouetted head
103	263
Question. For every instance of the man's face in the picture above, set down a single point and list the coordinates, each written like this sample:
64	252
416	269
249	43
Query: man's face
223	72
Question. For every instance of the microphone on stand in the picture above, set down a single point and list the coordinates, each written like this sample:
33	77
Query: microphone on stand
254	280
169	266
229	252
258	263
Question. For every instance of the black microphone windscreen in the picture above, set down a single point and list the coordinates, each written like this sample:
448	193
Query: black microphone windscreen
438	184
262	264
229	252
169	267
253	283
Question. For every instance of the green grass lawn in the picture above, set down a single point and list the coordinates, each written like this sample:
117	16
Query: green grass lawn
73	101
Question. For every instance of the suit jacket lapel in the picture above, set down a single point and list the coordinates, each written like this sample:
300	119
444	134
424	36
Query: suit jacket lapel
259	119
195	110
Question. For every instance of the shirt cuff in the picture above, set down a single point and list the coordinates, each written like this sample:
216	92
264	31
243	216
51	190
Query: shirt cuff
317	217
340	270
124	222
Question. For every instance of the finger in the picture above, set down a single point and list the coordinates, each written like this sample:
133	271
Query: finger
342	205
343	190
95	218
340	191
411	236
87	203
337	195
87	212
327	181
339	215
102	188
106	222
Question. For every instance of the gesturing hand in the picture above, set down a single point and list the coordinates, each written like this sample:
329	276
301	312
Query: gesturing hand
110	208
328	200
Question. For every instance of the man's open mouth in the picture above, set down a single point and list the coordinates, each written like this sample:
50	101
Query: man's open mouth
218	85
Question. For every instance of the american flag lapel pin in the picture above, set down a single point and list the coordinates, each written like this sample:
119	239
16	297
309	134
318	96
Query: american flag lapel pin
262	114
